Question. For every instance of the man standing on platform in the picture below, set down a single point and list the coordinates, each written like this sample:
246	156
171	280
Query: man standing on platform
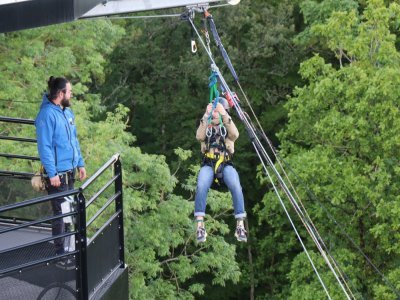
59	151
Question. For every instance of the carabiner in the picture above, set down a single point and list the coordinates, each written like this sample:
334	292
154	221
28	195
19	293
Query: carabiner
209	131
222	131
193	46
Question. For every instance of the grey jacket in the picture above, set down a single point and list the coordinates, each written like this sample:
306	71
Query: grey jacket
231	136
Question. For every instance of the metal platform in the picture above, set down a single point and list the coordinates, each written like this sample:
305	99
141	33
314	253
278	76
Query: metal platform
21	236
90	267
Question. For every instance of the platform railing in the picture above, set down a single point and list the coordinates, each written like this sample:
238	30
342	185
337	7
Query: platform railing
17	139
106	244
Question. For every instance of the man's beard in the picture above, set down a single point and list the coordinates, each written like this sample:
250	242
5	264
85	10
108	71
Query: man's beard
65	102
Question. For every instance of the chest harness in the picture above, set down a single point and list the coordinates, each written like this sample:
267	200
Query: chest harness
215	134
220	156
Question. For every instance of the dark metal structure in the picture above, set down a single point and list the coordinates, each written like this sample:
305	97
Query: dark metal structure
23	14
93	267
34	13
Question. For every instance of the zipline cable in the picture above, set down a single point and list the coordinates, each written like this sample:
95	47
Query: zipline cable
149	16
310	228
330	216
313	231
278	159
141	17
282	183
251	132
293	226
343	276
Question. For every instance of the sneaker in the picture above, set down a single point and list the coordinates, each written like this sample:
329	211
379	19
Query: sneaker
241	234
201	234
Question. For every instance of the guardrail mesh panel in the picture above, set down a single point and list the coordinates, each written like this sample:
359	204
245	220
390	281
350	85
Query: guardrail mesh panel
103	255
48	281
15	190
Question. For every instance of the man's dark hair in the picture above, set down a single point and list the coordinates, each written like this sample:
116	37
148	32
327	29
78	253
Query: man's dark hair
56	85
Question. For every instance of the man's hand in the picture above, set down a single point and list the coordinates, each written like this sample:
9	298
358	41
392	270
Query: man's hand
82	173
55	181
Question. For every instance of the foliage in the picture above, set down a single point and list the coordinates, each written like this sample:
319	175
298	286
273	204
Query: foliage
341	139
139	91
163	258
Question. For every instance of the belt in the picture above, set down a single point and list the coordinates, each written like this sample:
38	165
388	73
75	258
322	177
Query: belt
62	173
65	172
69	174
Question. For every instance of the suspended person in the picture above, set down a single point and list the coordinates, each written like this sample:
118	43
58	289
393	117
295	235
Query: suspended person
59	150
217	134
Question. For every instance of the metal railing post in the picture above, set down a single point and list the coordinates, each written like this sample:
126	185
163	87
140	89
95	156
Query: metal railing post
80	240
119	207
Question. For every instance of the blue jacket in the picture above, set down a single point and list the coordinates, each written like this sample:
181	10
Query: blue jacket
57	140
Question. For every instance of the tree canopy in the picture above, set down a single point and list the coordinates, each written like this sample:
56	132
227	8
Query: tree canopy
322	77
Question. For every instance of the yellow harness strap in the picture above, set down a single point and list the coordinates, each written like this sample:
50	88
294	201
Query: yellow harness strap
219	159
217	164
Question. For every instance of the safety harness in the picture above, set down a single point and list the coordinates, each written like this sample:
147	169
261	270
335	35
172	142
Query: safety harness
220	156
217	160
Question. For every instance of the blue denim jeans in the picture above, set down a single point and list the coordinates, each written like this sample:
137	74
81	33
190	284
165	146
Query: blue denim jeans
232	181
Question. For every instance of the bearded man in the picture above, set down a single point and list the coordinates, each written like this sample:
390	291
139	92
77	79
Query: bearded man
59	151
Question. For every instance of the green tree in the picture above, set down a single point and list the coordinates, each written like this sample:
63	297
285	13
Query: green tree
341	139
153	72
160	250
159	232
27	59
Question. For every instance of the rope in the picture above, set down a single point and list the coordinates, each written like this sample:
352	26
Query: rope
304	218
206	35
313	197
278	159
254	139
220	45
291	222
242	117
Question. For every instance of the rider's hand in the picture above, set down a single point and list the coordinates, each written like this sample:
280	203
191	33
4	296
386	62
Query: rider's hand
220	109
208	109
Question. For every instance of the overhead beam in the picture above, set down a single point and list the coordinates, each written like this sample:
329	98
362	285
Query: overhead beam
23	14
34	13
17	15
127	6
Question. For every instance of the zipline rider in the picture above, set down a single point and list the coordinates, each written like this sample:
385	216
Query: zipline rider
217	134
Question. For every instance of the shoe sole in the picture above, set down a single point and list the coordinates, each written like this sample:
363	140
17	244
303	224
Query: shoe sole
241	239
203	239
